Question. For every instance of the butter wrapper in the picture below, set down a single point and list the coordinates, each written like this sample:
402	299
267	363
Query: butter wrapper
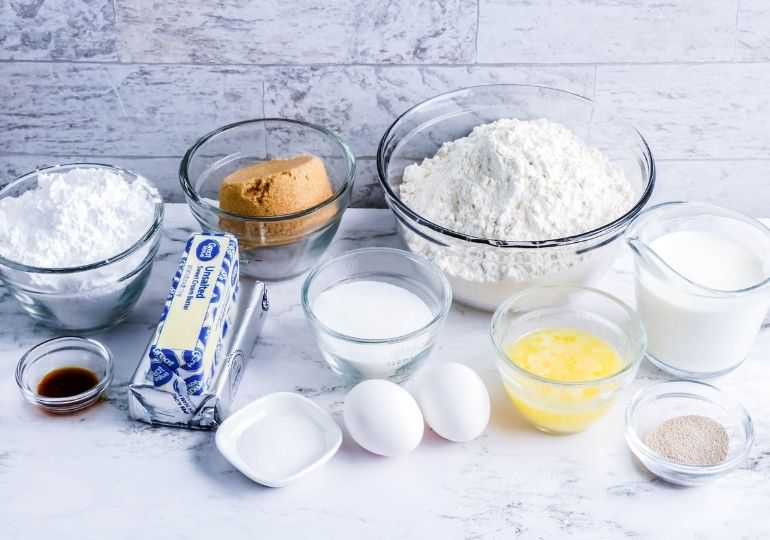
166	405
196	316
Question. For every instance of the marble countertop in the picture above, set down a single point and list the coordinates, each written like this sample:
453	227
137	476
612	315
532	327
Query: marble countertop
100	474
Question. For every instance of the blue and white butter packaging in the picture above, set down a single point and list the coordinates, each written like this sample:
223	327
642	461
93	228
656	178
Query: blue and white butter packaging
196	317
161	392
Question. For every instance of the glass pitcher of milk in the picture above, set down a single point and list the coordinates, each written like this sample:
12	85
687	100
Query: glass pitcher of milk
702	285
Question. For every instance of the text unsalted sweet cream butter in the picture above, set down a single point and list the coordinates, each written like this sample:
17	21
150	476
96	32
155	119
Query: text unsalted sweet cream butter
187	344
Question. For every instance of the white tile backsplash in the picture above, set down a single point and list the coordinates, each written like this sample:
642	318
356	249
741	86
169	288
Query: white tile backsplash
135	82
695	110
753	39
118	109
57	30
738	184
301	31
374	97
606	30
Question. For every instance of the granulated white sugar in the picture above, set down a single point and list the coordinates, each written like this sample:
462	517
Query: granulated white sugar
371	310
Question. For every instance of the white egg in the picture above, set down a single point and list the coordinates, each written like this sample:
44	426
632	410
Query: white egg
383	418
455	402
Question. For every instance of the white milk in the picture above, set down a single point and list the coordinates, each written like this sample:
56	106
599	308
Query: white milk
692	331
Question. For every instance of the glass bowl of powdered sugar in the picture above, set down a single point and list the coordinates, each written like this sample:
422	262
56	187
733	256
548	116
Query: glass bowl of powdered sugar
688	433
77	243
506	187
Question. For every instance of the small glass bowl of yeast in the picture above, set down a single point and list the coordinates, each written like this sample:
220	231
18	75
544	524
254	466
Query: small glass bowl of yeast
65	374
665	400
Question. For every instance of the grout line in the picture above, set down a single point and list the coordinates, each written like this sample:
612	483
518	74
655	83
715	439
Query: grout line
714	159
391	66
476	43
264	115
735	34
115	22
86	155
264	96
360	158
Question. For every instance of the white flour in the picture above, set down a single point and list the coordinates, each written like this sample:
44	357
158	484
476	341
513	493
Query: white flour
518	180
515	180
78	217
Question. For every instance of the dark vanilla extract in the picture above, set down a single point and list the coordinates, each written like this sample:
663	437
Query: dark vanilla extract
67	382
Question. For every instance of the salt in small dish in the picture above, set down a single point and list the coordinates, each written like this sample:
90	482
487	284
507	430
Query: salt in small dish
278	439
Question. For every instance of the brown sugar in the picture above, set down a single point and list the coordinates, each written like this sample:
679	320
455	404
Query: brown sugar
275	187
272	188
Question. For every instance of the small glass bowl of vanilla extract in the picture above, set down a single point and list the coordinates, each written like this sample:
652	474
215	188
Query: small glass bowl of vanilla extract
65	374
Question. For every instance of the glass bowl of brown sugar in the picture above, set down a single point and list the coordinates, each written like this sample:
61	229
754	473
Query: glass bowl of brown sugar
279	185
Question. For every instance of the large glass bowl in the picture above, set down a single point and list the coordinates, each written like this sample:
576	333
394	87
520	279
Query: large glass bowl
271	247
515	264
86	298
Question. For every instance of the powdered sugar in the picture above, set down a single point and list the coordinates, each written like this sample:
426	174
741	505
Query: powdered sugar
71	216
518	180
74	218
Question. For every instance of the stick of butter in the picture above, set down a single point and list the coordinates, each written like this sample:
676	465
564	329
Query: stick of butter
188	342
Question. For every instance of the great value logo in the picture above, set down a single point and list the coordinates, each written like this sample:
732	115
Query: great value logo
207	250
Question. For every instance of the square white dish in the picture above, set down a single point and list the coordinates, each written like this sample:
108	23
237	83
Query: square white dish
279	438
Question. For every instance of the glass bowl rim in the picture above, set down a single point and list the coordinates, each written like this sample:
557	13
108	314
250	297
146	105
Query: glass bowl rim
194	197
631	234
430	266
151	232
103	352
642	398
504	361
599	232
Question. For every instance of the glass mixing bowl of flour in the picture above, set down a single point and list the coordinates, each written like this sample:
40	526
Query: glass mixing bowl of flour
88	297
484	270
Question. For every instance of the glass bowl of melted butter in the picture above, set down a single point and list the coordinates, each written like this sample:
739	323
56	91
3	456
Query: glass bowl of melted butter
565	354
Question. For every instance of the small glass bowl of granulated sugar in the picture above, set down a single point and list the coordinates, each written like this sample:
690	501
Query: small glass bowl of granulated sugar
688	433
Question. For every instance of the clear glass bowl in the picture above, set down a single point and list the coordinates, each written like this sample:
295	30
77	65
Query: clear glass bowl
556	406
271	247
662	401
514	264
395	359
62	352
87	298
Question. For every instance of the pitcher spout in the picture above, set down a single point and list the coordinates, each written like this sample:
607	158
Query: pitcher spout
646	257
